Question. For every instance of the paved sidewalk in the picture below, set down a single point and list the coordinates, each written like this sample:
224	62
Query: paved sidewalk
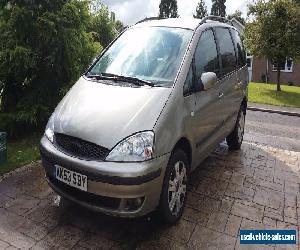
257	187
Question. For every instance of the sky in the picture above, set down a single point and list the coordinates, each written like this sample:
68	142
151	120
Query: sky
131	11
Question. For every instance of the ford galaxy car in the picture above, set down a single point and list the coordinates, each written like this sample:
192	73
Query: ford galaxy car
148	111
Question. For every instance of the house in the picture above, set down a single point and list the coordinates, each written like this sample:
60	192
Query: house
263	70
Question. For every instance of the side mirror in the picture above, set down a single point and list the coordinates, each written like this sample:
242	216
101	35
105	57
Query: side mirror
207	81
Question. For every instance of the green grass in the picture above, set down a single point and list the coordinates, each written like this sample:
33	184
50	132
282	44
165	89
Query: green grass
289	96
20	153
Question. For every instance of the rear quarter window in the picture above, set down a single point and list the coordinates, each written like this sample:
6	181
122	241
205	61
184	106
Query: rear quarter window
241	54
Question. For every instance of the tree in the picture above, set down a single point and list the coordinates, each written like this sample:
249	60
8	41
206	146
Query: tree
168	8
201	10
238	16
44	47
119	26
218	8
102	26
275	31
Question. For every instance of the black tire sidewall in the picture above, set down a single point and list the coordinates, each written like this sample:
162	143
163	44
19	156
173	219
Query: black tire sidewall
178	155
233	138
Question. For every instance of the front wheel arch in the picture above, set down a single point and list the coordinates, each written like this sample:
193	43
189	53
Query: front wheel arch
184	144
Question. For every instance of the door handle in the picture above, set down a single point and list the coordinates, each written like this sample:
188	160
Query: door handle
239	85
221	95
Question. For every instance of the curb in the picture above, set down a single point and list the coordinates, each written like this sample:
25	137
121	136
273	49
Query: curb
288	113
20	170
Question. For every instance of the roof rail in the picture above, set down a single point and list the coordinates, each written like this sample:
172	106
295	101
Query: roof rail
149	19
215	18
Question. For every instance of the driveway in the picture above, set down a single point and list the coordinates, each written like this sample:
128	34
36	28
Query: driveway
255	188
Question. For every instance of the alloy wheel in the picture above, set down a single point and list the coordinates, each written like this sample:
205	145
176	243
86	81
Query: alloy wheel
177	188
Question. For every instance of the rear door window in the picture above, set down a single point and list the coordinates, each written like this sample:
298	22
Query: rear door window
227	51
241	54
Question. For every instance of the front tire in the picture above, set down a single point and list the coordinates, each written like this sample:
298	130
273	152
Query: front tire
235	139
174	190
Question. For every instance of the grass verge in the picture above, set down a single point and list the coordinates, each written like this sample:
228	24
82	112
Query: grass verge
20	153
267	94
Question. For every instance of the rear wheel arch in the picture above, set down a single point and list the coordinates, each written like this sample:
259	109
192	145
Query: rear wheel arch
244	104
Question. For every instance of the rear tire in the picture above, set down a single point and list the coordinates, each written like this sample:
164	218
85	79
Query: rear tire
235	139
174	190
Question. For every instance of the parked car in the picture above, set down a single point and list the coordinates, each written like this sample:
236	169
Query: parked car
150	109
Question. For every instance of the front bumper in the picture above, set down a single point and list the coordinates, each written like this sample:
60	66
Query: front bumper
110	184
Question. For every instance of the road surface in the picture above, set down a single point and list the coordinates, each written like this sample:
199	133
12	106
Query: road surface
275	130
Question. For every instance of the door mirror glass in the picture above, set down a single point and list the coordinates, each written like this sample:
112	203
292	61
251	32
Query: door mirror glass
207	81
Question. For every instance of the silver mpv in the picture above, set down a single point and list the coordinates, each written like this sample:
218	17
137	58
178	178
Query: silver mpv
152	106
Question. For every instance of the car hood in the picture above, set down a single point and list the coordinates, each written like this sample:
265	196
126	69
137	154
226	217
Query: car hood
106	114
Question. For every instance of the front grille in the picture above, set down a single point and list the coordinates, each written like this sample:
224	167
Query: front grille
80	148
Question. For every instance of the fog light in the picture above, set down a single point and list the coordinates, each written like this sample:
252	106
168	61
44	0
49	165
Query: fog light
131	204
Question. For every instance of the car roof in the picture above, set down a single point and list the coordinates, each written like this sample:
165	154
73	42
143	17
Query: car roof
185	23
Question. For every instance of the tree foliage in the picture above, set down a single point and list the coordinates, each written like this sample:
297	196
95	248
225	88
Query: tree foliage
218	8
238	16
45	45
201	10
102	26
275	31
168	9
119	26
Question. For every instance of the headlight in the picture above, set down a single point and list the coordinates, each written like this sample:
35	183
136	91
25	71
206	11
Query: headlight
138	147
49	132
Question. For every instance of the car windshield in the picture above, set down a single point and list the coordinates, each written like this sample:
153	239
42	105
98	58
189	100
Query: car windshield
152	54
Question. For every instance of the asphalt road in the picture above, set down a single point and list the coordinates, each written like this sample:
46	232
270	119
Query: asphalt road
279	131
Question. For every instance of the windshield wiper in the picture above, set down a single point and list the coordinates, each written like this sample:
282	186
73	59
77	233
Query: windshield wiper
99	77
116	77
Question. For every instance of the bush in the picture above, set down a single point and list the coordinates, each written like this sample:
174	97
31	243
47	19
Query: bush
14	126
44	47
53	49
263	78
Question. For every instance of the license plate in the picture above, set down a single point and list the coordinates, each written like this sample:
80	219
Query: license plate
71	178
